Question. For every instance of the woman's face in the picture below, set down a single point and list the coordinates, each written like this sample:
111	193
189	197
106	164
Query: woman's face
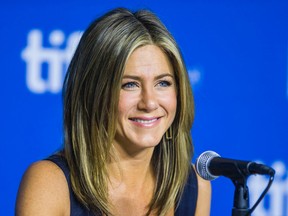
147	103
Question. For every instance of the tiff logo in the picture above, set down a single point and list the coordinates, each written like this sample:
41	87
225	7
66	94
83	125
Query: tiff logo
55	58
275	203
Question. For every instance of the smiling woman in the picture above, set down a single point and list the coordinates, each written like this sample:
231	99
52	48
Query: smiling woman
128	111
147	102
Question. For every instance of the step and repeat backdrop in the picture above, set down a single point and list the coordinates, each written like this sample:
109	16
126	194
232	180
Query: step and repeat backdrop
236	54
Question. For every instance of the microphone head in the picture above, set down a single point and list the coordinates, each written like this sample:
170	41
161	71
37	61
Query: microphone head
202	165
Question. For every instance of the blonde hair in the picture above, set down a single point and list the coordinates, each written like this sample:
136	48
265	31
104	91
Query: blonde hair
91	94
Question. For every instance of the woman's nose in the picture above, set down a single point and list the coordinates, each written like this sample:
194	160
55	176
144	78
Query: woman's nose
148	100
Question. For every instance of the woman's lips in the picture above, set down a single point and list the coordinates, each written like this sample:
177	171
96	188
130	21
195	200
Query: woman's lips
145	121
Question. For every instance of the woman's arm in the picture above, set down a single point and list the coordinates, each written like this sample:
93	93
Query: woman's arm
43	191
204	197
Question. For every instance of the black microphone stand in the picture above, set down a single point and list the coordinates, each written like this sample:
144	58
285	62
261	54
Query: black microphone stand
241	197
241	194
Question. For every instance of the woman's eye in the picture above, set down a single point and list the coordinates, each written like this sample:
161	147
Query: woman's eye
129	85
164	83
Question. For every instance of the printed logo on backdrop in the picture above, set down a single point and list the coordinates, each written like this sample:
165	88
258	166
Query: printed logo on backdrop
195	77
46	66
275	203
54	59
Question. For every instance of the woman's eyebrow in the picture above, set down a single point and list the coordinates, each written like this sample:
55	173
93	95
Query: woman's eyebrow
139	77
164	75
134	77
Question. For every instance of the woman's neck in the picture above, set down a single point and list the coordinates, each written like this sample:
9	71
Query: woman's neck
131	170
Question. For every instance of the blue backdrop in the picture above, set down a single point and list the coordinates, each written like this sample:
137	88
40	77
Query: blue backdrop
236	53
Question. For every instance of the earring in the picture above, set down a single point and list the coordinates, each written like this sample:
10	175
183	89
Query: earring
168	133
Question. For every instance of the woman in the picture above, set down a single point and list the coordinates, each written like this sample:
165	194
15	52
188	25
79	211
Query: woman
128	111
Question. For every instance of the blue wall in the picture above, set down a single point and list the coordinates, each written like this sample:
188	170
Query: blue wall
236	53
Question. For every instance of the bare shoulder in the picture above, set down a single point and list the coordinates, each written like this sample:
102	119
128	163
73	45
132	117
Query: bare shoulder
43	191
204	197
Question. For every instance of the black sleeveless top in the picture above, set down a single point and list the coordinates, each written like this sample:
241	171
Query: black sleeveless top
187	204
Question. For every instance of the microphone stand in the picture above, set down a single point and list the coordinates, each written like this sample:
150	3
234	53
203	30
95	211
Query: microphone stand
241	197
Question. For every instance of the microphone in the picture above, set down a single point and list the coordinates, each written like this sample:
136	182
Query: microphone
209	165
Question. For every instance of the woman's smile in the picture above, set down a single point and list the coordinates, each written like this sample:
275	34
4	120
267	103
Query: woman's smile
145	121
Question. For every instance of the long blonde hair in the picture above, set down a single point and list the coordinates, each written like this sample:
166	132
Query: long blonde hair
90	97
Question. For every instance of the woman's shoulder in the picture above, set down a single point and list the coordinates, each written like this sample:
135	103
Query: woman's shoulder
43	190
204	196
